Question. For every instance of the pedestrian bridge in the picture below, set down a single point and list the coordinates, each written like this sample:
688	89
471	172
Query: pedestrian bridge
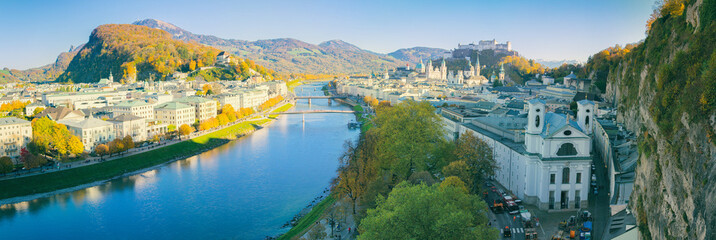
316	111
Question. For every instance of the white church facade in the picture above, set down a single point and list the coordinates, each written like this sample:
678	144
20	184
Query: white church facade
546	163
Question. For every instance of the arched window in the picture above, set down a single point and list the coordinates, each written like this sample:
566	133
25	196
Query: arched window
537	121
567	149
586	121
565	175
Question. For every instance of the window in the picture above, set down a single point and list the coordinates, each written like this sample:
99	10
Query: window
551	178
537	121
565	175
579	177
567	149
551	199
567	133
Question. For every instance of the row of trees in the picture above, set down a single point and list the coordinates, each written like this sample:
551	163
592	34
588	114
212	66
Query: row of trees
375	103
228	115
115	146
16	104
402	156
270	103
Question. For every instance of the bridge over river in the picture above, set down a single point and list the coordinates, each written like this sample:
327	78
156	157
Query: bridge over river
317	111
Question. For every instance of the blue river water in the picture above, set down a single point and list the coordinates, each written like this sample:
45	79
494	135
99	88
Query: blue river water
246	189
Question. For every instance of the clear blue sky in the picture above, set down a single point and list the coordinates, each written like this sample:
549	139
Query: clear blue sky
34	32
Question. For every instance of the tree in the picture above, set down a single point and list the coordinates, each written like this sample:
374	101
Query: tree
461	170
6	164
37	110
185	129
443	211
101	150
128	142
74	145
317	232
408	135
355	172
478	156
171	128
223	119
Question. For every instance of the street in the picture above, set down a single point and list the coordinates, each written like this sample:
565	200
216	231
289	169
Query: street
502	219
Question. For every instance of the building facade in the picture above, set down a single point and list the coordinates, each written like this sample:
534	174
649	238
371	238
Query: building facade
91	131
175	113
15	134
203	108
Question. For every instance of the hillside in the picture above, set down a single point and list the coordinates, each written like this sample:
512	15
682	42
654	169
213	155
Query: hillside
415	54
45	73
666	93
133	52
290	55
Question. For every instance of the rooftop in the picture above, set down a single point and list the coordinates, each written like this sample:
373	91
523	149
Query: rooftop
12	121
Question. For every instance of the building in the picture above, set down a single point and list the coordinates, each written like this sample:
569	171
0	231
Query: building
438	73
61	113
224	59
544	158
175	113
91	131
130	125
137	108
252	98
30	109
228	98
68	99
203	108
15	133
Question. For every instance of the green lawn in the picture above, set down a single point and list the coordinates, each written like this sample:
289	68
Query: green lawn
283	108
97	172
309	219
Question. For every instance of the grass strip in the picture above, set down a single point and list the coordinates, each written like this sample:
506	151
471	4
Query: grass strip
308	220
53	181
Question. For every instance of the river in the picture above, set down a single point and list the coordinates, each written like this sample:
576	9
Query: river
246	189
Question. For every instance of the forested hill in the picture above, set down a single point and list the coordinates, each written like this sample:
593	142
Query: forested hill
290	55
416	54
666	92
134	52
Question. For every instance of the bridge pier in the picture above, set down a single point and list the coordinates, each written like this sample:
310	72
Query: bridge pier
309	101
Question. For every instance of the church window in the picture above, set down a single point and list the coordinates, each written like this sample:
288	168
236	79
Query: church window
567	133
586	121
565	175
551	178
537	121
567	149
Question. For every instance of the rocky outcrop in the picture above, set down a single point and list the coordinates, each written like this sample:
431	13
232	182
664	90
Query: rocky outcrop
674	195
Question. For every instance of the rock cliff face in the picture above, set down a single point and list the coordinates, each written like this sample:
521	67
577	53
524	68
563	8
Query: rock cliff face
665	89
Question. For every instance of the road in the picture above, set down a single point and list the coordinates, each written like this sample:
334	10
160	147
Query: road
500	220
599	203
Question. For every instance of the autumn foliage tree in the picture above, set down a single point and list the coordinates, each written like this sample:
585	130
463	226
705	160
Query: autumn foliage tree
101	150
185	129
50	137
270	103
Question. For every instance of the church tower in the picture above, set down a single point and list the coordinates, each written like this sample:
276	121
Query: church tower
585	115
429	69
443	71
111	78
535	124
502	72
477	65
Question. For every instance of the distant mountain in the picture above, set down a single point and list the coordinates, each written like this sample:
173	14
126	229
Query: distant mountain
290	55
45	73
556	63
414	54
132	52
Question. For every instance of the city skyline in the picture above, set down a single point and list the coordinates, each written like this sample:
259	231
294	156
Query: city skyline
555	30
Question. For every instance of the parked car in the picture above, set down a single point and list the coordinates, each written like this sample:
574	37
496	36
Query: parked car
594	177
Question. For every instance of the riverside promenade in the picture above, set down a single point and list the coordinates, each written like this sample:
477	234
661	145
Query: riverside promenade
59	166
